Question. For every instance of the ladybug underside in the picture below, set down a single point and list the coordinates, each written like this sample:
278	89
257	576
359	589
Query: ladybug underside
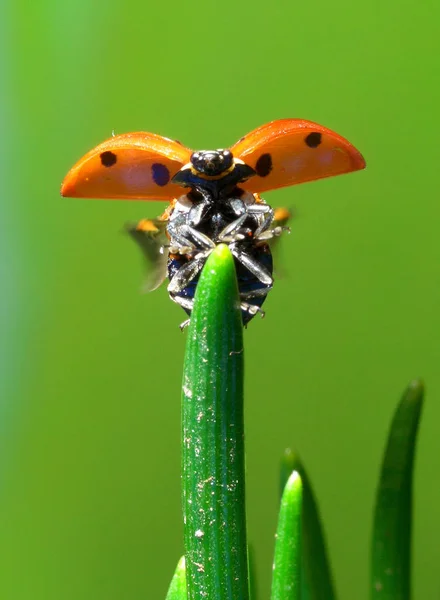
244	224
215	211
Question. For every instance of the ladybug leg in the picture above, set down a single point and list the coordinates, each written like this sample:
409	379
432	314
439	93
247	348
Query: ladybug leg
184	324
264	215
177	229
271	233
230	232
203	241
186	274
258	293
186	303
279	222
252	309
252	265
185	238
246	297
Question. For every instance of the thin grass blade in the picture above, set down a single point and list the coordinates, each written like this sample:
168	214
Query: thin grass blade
317	581
213	488
177	589
286	576
391	544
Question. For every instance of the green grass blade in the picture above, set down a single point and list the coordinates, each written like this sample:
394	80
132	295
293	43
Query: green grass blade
391	544
213	490
286	577
177	589
317	581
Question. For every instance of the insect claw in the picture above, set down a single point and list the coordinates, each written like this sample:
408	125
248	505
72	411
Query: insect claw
184	325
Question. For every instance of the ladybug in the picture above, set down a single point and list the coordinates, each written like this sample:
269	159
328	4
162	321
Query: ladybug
214	197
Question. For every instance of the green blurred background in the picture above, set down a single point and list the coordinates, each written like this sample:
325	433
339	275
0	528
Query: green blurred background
91	369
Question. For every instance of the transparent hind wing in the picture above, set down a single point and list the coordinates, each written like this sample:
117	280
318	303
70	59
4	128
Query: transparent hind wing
282	219
150	236
282	216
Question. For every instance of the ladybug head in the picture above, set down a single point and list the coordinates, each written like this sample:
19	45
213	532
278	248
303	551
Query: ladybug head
212	162
214	170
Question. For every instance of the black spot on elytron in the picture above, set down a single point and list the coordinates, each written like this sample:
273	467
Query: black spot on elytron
241	139
108	159
264	165
313	139
161	174
178	142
